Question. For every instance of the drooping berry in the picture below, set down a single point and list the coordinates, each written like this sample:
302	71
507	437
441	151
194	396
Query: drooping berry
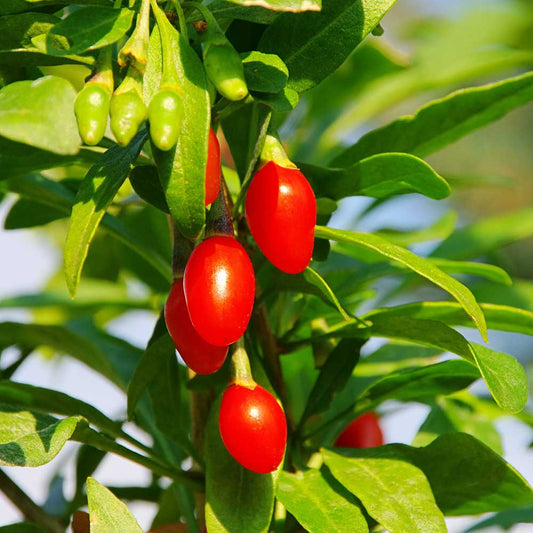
253	427
363	432
219	285
199	355
281	213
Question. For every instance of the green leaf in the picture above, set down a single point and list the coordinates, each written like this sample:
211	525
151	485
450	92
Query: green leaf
223	9
60	339
16	6
491	272
419	383
182	169
17	31
379	176
320	503
283	5
89	28
451	416
145	182
394	356
421	266
264	72
50	401
333	376
499	317
313	45
441	229
396	504
245	131
40	113
107	512
54	194
443	121
504	376
505	520
95	194
27	214
487	235
31	439
466	477
18	159
237	499
308	282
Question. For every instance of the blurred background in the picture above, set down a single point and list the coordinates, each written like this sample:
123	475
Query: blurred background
428	49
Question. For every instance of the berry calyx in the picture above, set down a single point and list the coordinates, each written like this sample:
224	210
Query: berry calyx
363	432
212	170
199	355
280	209
219	285
253	427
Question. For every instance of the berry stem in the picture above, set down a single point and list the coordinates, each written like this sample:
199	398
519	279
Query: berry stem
274	151
219	221
181	250
240	371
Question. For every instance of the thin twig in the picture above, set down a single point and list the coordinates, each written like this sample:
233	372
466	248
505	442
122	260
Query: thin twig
30	510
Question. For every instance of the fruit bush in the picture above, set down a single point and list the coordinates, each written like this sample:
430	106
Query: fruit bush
196	161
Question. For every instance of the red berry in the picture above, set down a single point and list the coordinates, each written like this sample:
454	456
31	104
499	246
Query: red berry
212	170
219	285
281	212
253	428
363	432
200	356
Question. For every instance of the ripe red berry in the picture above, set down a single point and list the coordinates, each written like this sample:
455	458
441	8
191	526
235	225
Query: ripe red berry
200	356
219	285
212	170
281	213
253	427
363	432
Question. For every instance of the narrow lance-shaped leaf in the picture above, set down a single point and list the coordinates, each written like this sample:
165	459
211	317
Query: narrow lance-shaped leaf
499	317
89	28
466	477
422	267
313	45
333	376
320	503
95	194
50	401
54	194
40	113
443	121
487	235
395	493
31	439
379	176
182	168
107	512
504	376
283	5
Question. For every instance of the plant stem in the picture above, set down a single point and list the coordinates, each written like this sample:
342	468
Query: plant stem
31	511
88	436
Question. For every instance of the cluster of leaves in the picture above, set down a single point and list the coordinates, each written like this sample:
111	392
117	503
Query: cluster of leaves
308	330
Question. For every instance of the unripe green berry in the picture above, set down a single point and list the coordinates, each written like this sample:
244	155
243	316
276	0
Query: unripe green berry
127	111
91	108
165	114
224	68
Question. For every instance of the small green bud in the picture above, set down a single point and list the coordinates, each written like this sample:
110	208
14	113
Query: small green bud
91	108
165	113
127	111
224	68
